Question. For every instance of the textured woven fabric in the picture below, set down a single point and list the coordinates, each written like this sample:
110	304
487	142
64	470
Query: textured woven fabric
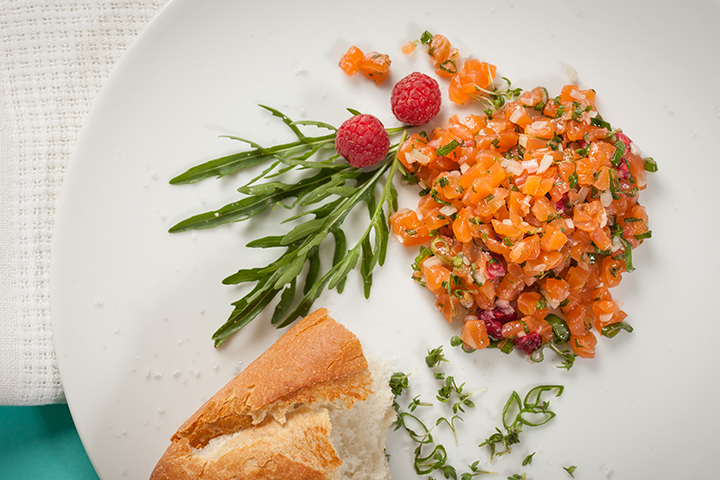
54	57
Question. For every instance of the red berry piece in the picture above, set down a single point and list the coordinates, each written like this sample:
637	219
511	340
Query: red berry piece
416	99
504	312
493	326
362	141
495	269
528	343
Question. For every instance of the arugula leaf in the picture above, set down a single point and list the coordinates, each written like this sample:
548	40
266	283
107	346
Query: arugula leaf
332	188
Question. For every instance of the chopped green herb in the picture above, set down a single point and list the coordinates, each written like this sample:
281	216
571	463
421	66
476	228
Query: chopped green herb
436	196
573	179
618	153
614	328
531	412
561	331
578	110
424	253
447	148
448	66
598	121
651	165
399	383
628	255
410	178
430	456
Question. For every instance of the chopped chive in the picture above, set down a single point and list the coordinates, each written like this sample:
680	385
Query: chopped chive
447	148
613	329
618	154
651	165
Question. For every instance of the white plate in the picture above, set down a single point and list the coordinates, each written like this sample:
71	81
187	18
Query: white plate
134	307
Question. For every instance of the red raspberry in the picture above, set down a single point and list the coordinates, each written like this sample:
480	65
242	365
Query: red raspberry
362	141
416	99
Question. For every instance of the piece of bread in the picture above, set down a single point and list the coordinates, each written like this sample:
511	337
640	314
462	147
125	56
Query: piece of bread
310	407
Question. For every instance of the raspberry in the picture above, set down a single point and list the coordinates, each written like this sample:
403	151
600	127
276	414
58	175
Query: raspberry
416	99
362	141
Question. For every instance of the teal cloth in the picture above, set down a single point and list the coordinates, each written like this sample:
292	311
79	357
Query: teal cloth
41	443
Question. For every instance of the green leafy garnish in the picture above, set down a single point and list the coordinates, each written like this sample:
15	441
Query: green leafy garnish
426	37
598	121
430	456
651	165
614	328
324	196
447	148
627	256
474	471
516	413
567	355
570	470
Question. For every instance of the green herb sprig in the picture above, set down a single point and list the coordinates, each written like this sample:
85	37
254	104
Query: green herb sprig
430	456
331	189
570	470
530	412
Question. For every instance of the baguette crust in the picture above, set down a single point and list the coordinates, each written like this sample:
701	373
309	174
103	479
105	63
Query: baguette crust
299	450
318	362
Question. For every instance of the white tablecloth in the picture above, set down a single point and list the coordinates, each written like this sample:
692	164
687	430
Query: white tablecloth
54	57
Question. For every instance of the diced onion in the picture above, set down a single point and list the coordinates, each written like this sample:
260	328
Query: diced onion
415	156
545	163
550	301
522	140
504	304
606	198
577	95
603	218
448	210
571	73
516	115
512	166
582	194
530	165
